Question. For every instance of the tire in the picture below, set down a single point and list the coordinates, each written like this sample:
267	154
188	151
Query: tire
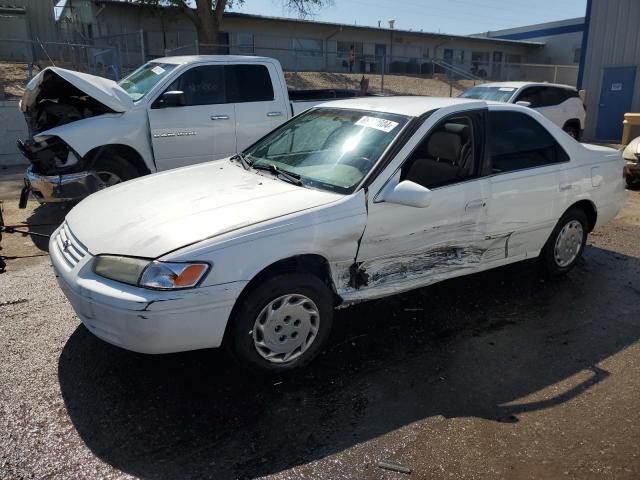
250	345
558	261
632	182
112	169
572	131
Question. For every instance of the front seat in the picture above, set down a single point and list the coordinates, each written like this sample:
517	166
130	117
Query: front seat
441	165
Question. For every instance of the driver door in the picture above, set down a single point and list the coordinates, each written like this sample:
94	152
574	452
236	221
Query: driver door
406	247
202	129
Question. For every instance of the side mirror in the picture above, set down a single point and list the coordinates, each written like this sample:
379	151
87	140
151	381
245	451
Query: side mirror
407	193
172	98
522	103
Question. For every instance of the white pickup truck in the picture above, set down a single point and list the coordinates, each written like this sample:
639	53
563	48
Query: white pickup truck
89	132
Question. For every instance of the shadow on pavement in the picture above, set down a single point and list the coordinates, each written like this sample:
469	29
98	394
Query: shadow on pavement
465	347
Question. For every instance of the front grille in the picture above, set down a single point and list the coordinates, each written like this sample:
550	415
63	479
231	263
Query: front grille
69	246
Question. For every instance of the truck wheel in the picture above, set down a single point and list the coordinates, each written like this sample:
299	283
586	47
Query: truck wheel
112	169
566	243
281	324
572	131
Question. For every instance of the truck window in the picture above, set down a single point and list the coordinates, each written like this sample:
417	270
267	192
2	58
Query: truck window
204	85
248	83
518	142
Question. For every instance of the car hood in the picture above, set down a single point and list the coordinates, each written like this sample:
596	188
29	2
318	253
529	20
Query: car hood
159	213
105	91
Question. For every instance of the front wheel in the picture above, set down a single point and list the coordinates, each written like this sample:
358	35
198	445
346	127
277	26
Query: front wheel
566	243
112	169
282	324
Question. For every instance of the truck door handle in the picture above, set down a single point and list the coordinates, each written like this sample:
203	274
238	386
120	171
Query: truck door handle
274	114
219	117
476	204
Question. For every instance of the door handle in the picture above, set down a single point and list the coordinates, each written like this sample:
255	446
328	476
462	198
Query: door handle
274	114
565	187
476	204
219	117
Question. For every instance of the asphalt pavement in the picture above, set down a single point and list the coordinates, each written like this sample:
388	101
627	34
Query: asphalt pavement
502	374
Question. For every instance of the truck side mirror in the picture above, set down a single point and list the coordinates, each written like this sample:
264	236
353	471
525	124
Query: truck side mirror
172	98
523	103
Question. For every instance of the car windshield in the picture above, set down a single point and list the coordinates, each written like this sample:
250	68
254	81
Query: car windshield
141	81
495	94
327	148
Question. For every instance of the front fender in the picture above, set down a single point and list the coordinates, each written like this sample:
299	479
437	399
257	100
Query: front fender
332	232
130	128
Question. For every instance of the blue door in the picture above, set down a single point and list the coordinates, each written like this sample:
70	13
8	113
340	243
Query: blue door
615	100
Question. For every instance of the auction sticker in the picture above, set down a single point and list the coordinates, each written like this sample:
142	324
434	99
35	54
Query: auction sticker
506	89
158	70
377	123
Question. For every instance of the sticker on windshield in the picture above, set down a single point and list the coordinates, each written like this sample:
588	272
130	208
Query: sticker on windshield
377	123
506	89
158	70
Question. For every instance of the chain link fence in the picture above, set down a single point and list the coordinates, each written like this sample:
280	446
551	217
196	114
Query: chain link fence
308	67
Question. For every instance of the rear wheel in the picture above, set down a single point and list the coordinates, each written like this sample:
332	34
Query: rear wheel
572	131
281	324
112	169
566	243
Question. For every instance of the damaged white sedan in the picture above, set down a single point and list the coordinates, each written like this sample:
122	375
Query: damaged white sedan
350	201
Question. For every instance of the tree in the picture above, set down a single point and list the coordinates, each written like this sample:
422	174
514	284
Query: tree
207	15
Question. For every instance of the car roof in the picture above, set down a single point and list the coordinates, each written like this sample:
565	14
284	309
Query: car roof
412	106
525	84
182	59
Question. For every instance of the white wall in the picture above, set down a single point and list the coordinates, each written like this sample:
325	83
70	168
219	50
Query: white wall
12	127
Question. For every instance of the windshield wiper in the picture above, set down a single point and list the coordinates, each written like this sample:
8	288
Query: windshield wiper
243	160
288	176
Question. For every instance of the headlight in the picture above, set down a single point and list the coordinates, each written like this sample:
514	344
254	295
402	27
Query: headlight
122	269
150	274
171	276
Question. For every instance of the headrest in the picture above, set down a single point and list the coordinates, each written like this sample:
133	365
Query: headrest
445	146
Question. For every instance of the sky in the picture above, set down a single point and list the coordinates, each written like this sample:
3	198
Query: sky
460	17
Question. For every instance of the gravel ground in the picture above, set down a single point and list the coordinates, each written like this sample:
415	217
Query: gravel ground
497	375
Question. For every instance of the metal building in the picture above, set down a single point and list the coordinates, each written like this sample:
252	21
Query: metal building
609	66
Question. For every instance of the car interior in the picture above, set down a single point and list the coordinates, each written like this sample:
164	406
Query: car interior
444	157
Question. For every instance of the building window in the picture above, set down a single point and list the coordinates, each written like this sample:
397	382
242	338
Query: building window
577	53
479	57
308	46
244	42
343	48
513	58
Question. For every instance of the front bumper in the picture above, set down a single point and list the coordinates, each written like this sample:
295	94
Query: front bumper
138	319
62	188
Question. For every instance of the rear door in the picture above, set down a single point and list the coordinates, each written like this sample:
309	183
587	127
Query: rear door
202	129
527	165
259	107
545	100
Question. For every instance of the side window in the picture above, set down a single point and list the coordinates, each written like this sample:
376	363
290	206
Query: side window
518	142
533	95
203	85
554	96
447	155
248	83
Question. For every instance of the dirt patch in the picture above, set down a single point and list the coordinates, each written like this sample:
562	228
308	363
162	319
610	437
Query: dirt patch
393	84
14	77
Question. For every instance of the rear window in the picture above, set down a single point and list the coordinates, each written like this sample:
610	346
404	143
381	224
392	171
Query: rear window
495	94
248	83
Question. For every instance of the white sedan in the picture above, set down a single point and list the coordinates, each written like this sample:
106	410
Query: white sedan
350	201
